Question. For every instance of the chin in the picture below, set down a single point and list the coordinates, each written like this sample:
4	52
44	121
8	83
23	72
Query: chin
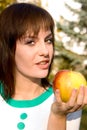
43	74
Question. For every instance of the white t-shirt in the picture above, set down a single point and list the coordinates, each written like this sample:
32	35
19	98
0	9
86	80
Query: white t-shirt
32	114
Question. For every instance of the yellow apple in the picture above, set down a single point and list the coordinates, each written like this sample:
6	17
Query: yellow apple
66	80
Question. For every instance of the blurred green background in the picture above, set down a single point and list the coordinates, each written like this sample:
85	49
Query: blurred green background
70	42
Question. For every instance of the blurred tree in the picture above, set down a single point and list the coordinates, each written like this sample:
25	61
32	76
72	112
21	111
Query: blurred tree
37	2
4	3
71	41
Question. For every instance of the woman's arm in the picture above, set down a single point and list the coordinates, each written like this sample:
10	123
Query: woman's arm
56	122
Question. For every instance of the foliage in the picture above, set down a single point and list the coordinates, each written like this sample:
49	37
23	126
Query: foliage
4	3
65	58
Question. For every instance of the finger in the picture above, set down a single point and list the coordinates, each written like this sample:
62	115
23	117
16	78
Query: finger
80	96
85	96
73	97
79	103
72	102
58	97
57	105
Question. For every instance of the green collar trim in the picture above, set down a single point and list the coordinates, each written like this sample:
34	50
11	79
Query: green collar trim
31	103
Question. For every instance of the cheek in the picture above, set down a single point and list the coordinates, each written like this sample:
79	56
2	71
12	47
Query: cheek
21	59
22	55
23	64
51	52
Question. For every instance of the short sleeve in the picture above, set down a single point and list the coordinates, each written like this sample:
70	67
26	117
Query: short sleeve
73	120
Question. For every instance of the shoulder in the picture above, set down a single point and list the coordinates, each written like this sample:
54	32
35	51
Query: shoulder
48	95
0	87
50	92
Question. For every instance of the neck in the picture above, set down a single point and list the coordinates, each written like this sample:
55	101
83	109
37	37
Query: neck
26	88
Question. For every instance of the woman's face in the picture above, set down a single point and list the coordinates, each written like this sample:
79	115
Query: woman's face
33	55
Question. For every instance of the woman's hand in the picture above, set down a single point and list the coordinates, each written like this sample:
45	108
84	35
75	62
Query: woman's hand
60	109
76	102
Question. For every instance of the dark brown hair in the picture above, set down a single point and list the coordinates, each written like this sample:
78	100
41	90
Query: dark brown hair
15	21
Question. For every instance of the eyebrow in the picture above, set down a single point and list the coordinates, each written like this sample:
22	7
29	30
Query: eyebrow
49	35
33	36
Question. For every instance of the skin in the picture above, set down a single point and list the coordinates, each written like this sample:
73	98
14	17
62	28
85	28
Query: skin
33	56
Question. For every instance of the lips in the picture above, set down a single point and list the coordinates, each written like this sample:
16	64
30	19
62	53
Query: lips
43	64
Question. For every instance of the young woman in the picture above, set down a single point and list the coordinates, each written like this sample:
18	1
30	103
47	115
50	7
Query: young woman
27	100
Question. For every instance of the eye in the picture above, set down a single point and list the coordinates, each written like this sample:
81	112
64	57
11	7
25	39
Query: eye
29	41
49	40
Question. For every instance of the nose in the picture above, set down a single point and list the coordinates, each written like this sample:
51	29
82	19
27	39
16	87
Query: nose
43	49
